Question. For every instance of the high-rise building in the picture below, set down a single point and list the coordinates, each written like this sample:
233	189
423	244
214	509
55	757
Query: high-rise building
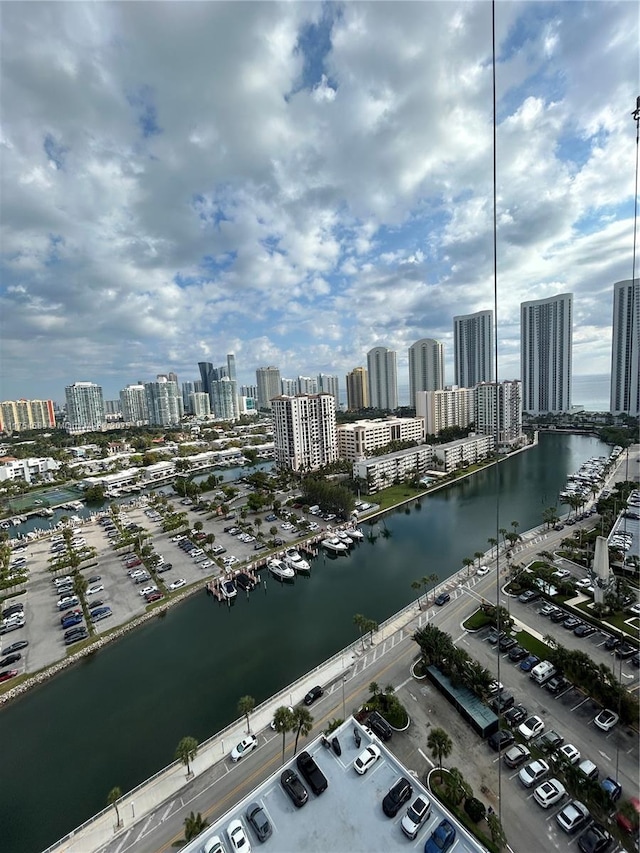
26	414
134	405
173	377
306	385
268	382
164	403
231	366
328	384
449	407
188	388
625	355
383	379
289	387
506	417
305	431
426	367
199	404
249	391
357	389
206	369
473	348
546	327
224	403
85	407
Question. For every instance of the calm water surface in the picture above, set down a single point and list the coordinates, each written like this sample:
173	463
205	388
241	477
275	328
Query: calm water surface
117	718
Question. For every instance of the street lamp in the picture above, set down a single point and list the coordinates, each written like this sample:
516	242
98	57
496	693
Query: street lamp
344	707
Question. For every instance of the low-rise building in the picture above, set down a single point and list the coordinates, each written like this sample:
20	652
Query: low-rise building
464	451
27	469
360	439
381	471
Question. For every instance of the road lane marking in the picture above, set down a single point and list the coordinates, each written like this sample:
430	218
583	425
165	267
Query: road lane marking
428	760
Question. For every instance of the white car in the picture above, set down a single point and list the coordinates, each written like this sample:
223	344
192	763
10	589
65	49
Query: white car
483	570
572	816
584	583
179	538
549	792
147	589
246	745
206	564
238	837
366	759
570	753
606	720
195	552
532	727
417	813
213	845
180	582
92	590
532	772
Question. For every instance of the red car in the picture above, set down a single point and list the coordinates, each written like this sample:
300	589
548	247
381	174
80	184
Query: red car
10	673
629	822
153	596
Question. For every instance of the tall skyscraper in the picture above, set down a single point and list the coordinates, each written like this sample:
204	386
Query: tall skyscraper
506	416
134	405
473	348
357	389
188	388
85	407
231	366
268	382
383	378
224	403
206	369
199	404
304	429
546	327
625	355
426	367
164	403
306	385
328	384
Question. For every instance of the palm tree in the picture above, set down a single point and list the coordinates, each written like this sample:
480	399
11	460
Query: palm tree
186	751
440	745
359	621
112	800
478	555
374	689
283	722
433	579
194	824
211	538
492	542
468	562
416	585
515	525
303	723
246	704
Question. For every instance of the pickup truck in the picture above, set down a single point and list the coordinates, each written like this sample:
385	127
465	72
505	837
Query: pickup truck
312	774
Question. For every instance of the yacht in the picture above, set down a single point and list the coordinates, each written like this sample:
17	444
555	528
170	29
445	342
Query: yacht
334	544
228	589
355	534
294	560
345	537
244	582
281	570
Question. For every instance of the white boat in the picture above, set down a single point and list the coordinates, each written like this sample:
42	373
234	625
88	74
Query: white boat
228	589
294	560
280	570
343	536
355	534
335	544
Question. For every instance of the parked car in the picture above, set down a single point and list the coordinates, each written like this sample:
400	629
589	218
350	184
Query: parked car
571	623
516	755
528	596
441	599
516	715
625	651
532	727
397	795
294	788
606	720
574	815
246	745
238	837
379	726
595	839
258	821
502	702
368	757
177	584
533	772
16	647
441	838
313	776
549	792
569	753
315	693
507	643
612	788
584	630
9	673
417	813
557	684
529	662
8	659
500	739
517	653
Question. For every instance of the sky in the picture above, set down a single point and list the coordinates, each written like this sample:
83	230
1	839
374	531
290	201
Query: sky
299	182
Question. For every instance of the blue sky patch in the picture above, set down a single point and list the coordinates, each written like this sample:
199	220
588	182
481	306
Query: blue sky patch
55	151
146	113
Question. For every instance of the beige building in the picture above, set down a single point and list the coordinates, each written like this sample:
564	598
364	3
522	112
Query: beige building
357	389
450	407
304	428
26	414
464	451
358	440
381	471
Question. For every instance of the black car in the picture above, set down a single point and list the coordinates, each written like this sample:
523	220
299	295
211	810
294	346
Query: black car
95	579
296	791
584	630
557	684
379	726
501	739
15	647
443	598
502	702
399	793
516	715
9	659
507	643
550	741
596	839
315	693
611	643
625	651
258	821
558	616
494	636
164	567
75	638
517	653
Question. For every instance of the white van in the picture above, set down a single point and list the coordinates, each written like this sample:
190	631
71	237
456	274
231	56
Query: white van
543	672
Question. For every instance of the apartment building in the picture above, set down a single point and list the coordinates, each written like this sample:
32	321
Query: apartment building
304	431
464	451
450	407
546	328
27	469
625	349
381	471
134	405
268	386
85	407
357	389
473	348
383	378
498	411
360	439
164	402
19	415
426	367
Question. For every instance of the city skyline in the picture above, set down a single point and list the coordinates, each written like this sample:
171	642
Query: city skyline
325	192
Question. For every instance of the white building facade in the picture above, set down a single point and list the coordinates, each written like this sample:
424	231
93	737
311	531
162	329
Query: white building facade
546	328
450	407
85	407
268	386
498	410
224	399
200	404
463	452
383	378
304	429
164	402
625	352
134	405
28	469
382	471
473	348
360	439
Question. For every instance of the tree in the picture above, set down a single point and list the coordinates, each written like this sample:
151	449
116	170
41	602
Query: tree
440	746
417	586
359	621
283	722
186	751
246	704
194	824
478	555
112	800
198	526
497	832
302	722
457	787
468	562
374	688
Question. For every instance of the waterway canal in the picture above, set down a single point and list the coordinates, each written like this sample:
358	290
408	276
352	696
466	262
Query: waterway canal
117	718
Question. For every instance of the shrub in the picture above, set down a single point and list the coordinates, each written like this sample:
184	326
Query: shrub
475	809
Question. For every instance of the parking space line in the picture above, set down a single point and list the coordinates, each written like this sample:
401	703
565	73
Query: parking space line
575	707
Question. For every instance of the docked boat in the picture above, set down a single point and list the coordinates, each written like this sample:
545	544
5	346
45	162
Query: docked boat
228	589
244	582
334	544
343	536
281	570
355	534
296	561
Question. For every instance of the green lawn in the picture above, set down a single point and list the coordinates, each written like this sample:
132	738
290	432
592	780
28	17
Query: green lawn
476	621
532	644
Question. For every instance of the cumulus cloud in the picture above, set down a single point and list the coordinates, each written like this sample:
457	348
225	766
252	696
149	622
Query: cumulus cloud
298	182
